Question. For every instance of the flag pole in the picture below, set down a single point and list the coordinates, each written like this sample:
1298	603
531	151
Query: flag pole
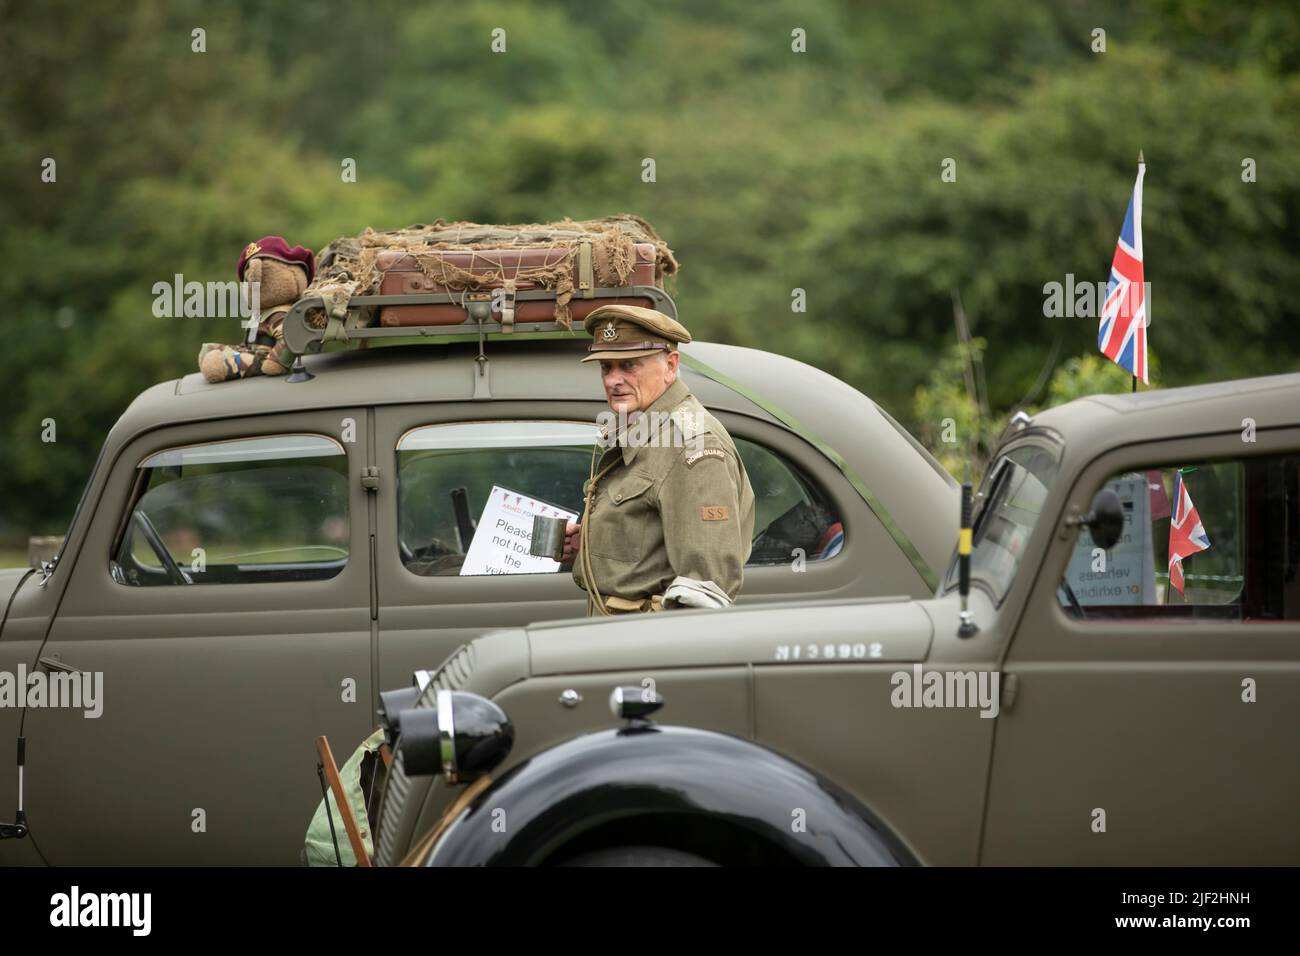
1141	162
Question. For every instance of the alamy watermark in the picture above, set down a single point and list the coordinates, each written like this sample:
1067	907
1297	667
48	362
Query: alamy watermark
76	909
657	429
944	688
207	300
80	690
1088	300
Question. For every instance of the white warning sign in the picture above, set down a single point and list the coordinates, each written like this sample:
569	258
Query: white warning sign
504	530
1125	574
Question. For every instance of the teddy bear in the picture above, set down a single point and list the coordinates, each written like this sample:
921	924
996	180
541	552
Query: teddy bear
281	275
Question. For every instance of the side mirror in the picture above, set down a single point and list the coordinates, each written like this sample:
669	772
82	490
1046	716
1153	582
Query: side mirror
1105	522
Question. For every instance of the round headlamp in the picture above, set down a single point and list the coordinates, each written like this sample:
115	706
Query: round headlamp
462	738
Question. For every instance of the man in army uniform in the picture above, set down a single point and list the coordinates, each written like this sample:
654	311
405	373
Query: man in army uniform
668	515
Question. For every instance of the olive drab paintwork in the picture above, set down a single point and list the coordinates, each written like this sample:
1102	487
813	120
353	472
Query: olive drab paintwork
1105	740
214	693
671	499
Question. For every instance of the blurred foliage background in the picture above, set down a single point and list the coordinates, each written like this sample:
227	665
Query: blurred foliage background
776	170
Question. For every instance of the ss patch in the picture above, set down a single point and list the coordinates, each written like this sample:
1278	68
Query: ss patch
714	513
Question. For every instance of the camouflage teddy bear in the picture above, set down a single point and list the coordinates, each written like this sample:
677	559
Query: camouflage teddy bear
281	275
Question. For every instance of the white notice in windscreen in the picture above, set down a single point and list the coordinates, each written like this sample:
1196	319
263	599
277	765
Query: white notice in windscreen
504	530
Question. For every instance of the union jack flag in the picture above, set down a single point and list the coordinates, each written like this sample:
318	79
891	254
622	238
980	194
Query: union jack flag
1122	333
1186	533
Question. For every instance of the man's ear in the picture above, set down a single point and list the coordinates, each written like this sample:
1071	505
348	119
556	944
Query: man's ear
673	358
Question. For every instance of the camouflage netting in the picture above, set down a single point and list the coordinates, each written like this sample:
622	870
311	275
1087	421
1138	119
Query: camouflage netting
347	266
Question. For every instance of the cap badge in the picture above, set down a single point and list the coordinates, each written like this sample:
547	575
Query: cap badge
251	250
609	332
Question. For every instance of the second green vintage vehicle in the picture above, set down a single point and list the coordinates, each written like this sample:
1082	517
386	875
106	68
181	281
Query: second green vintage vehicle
1072	705
252	561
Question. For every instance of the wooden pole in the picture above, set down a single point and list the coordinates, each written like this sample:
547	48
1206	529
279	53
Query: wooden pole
341	801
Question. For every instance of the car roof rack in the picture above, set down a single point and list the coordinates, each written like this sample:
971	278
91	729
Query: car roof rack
356	319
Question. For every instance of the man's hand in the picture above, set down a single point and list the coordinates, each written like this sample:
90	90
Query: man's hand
572	538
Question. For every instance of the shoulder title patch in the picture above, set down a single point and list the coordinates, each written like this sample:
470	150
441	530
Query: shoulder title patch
714	513
687	419
703	453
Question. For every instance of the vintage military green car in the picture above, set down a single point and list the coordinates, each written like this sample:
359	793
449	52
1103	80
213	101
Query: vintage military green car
1084	710
251	562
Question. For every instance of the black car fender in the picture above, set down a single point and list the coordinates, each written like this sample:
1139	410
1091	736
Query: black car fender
594	787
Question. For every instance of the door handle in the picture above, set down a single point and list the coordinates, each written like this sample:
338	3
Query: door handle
54	664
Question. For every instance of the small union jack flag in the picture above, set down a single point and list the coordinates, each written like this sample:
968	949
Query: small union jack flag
1122	332
1186	533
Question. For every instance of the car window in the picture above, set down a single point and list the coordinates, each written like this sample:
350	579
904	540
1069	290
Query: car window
451	478
791	514
1212	539
1010	507
244	511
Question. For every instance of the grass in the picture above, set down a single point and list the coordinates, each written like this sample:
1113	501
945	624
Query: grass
13	557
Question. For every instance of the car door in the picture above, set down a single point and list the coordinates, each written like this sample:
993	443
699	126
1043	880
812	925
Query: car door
442	464
221	600
1153	725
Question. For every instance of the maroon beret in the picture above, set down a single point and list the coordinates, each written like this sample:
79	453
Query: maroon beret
274	247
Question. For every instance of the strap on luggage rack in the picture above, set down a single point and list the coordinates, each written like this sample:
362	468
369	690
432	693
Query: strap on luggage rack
302	339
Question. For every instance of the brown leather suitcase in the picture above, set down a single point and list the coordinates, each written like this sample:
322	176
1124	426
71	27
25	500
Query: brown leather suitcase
402	275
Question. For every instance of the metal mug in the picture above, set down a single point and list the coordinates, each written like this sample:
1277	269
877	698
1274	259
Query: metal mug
548	537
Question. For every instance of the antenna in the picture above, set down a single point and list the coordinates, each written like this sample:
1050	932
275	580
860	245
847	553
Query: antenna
325	798
967	627
18	829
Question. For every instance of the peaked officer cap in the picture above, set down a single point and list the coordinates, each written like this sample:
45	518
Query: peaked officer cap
630	331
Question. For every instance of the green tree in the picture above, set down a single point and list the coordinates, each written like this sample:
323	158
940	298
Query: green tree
776	170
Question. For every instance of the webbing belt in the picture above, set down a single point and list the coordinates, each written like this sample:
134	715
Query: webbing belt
584	556
586	281
336	309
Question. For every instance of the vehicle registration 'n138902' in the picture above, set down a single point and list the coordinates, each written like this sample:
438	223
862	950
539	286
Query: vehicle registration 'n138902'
829	652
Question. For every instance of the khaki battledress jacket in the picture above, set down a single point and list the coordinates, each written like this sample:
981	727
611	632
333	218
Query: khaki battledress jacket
667	502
